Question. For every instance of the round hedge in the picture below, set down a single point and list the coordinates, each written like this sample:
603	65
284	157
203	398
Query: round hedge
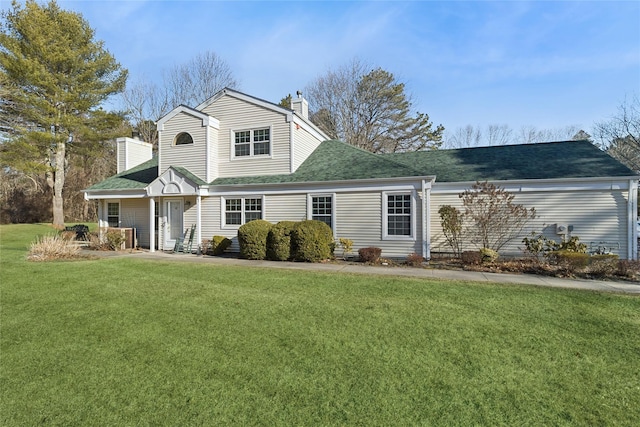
279	241
252	238
312	241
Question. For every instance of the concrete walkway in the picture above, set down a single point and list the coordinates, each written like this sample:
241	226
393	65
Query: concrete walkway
427	273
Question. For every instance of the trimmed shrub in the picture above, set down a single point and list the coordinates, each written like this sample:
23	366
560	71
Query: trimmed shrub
312	241
370	254
252	238
471	257
219	244
279	241
488	255
570	260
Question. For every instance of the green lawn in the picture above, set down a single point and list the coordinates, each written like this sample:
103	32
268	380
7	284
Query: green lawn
127	342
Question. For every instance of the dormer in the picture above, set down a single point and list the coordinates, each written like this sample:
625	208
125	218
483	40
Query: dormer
188	138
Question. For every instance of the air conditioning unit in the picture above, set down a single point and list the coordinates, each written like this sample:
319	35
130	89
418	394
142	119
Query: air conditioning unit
562	228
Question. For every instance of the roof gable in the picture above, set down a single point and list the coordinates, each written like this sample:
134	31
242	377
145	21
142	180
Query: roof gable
183	109
174	181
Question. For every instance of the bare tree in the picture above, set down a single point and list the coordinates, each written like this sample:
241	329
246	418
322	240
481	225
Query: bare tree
470	136
198	80
188	84
620	135
370	109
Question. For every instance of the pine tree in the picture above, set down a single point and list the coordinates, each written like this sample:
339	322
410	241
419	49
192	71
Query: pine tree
57	76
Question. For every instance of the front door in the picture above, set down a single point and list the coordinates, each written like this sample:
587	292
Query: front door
174	227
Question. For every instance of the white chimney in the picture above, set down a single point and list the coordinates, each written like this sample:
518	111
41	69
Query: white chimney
300	105
132	152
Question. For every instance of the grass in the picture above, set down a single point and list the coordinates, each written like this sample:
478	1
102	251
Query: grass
128	342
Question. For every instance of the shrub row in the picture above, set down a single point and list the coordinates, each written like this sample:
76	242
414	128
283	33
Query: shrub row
308	240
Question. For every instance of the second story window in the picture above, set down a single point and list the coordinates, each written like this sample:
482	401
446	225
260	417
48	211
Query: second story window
183	138
255	142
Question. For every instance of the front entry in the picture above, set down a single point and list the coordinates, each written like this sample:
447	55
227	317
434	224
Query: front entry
174	226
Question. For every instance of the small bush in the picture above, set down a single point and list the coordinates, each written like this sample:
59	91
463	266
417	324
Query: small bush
114	240
370	254
347	247
279	241
471	257
219	244
252	238
569	260
51	247
603	265
488	256
312	241
414	260
629	269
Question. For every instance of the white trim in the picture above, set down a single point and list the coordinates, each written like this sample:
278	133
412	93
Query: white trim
528	186
199	221
251	130
385	215
152	225
291	151
304	124
310	197
633	220
206	119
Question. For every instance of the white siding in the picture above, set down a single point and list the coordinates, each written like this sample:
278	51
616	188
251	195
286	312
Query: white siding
304	145
235	114
289	207
135	213
359	218
595	216
189	156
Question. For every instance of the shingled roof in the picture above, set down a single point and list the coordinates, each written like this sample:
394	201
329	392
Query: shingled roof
334	161
552	160
135	178
338	161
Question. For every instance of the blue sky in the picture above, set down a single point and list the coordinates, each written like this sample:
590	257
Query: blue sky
544	64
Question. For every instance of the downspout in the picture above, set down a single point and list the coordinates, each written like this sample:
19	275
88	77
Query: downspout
152	225
633	220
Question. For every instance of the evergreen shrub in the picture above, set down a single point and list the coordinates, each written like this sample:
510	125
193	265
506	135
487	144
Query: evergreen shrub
279	241
219	244
312	241
252	238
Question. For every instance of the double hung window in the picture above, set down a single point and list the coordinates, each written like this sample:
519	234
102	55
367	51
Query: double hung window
113	214
254	142
239	211
322	208
399	215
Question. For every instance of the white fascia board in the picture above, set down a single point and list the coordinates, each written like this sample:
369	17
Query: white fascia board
382	184
538	185
109	194
206	119
309	127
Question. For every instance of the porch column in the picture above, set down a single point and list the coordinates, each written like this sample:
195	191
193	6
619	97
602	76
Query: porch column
152	225
199	221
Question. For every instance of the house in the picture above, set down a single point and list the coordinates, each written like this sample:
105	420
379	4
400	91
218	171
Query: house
235	158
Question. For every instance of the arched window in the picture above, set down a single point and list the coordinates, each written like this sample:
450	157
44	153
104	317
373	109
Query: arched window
183	138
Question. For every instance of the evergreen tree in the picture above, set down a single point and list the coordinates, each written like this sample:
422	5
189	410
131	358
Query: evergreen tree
56	77
371	110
